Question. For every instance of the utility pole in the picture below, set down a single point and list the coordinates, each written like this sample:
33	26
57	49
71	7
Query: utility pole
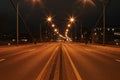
46	32
81	33
17	25
40	34
104	21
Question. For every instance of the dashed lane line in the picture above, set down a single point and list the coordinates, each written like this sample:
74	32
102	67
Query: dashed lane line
118	60
88	49
31	50
2	60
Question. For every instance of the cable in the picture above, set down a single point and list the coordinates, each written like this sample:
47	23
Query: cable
102	13
13	4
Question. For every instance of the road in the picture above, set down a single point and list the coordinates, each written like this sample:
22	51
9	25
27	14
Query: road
59	61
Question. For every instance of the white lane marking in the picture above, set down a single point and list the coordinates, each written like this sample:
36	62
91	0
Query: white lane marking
2	60
31	50
88	49
118	60
57	71
73	66
45	67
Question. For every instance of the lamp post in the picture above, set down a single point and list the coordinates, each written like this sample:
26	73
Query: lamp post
17	20
40	34
17	25
81	32
72	20
104	3
104	23
49	19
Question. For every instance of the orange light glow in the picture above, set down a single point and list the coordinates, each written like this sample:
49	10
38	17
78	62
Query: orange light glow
88	1
53	25
49	19
35	1
72	19
67	30
55	30
69	25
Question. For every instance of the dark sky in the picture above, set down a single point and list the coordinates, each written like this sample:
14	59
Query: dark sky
33	14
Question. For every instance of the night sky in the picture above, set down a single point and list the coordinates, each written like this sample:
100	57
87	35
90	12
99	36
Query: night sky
35	14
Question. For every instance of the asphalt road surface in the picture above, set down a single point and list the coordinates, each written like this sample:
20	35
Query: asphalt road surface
59	61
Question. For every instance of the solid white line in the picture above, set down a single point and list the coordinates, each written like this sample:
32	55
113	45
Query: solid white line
2	60
118	60
73	66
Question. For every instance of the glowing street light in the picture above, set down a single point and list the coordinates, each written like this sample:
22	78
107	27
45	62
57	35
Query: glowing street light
67	30
49	19
55	30
53	25
35	1
88	1
69	25
72	19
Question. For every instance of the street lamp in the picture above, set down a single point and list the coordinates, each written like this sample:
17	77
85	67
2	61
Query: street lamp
55	30
53	25
88	1
35	1
72	19
67	30
49	19
69	25
17	25
104	2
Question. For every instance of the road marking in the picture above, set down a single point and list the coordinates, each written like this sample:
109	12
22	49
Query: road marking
73	66
40	76
2	60
57	71
31	50
118	60
88	49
